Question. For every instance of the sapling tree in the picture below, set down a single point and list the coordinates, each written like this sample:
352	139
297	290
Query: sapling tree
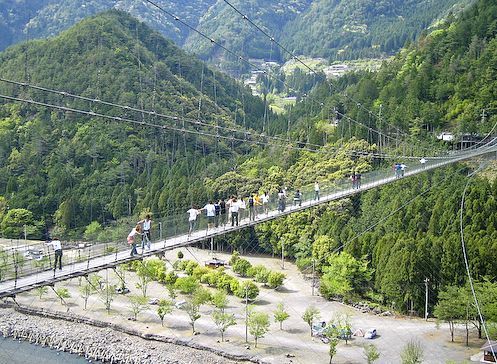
371	353
412	353
91	286
165	308
280	314
63	293
106	295
223	321
137	304
310	315
41	291
258	325
192	307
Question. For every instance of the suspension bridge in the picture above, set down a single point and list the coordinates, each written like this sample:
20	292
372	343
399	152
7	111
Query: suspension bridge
86	260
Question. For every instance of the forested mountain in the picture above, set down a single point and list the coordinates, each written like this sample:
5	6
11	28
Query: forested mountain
444	81
82	168
335	29
29	19
222	23
352	29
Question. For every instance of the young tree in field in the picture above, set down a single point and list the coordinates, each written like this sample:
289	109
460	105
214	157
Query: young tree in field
241	267
258	325
223	321
63	293
106	295
165	308
90	287
332	350
310	315
220	300
371	353
192	306
412	353
450	307
275	279
247	289
145	276
137	304
280	314
41	291
341	322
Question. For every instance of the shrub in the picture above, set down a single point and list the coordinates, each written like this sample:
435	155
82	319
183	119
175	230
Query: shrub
199	272
190	266
247	289
225	281
304	264
275	279
234	257
186	285
241	267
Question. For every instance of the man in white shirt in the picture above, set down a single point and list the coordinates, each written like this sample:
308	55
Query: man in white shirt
210	211
192	218
57	247
146	237
316	190
423	162
234	207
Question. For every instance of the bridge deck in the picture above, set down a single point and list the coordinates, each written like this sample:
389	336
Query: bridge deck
77	269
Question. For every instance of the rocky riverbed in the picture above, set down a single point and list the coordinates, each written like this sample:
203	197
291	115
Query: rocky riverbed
108	343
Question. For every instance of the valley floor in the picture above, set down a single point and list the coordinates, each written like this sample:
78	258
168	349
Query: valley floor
293	344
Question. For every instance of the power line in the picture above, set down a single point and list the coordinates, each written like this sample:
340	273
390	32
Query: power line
149	124
298	59
229	51
156	114
248	136
466	264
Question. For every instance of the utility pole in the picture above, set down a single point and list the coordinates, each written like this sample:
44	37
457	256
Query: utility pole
282	254
382	142
246	314
313	275
426	298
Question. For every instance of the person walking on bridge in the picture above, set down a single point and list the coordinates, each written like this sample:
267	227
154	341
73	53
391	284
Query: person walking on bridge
210	212
234	208
146	224
316	191
57	247
192	219
132	239
265	202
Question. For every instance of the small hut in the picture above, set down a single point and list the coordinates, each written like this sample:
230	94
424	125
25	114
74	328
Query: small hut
489	352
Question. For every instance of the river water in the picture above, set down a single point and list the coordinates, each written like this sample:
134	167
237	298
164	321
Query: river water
22	352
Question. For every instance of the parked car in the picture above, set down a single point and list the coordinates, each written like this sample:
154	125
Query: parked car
180	304
35	254
370	334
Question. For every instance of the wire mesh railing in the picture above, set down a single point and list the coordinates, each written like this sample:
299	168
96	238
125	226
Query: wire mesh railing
36	260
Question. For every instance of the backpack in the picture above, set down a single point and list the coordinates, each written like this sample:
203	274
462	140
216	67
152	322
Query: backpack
217	209
251	202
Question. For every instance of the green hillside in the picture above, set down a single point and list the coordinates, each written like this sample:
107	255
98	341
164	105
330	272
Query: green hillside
79	169
361	28
444	82
21	19
334	29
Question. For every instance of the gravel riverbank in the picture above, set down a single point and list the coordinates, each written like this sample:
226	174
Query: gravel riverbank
106	342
